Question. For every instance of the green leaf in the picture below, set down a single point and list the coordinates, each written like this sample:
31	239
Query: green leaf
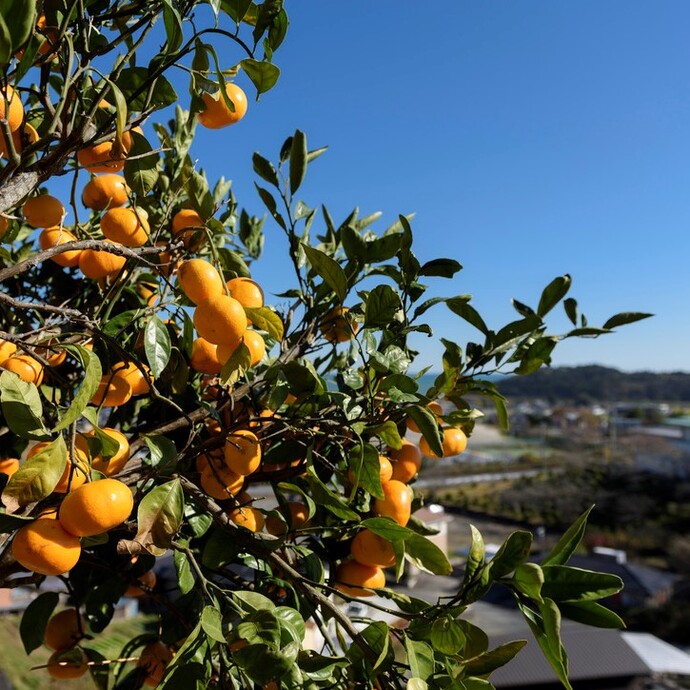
461	307
271	205
447	635
550	641
625	318
377	638
35	618
591	613
486	663
570	307
427	556
5	43
428	426
89	385
21	19
420	657
159	517
330	500
444	268
382	306
388	433
510	333
236	9
476	555
388	529
10	523
21	406
237	366
264	75
329	270
528	579
538	354
366	469
568	543
265	319
173	26
298	160
565	583
264	169
141	172
185	577
157	345
512	553
135	84
212	623
553	293
38	476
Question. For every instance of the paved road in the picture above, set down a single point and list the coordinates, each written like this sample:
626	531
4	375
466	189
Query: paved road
440	482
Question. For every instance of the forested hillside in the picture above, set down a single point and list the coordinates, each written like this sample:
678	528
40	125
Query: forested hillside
592	383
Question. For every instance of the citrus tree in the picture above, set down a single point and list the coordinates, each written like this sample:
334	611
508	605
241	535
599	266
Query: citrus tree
155	404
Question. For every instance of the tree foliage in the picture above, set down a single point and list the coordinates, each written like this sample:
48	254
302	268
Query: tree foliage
331	395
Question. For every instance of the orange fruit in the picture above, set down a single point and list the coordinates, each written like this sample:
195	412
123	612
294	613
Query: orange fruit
4	225
148	580
406	462
246	292
155	658
134	376
24	136
105	191
369	548
242	452
54	237
166	265
188	225
7	349
9	466
43	211
396	503
351	577
385	470
96	264
226	350
103	157
26	367
125	226
204	357
45	547
256	346
71	478
454	442
217	114
64	630
199	280
337	327
220	482
67	664
112	391
96	507
11	108
296	514
433	407
220	319
54	356
248	517
114	464
48	514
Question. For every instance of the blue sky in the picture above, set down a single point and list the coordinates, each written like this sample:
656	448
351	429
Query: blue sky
531	139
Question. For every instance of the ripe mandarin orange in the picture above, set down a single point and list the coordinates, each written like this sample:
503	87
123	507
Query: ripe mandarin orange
248	517
199	280
96	507
11	108
454	442
396	503
54	237
217	114
26	367
256	346
67	664
43	211
22	137
64	630
137	379
369	548
125	226
337	327
433	407
114	464
155	658
220	482
406	462
189	226
9	466
96	264
242	452
45	547
4	225
7	349
385	470
220	319
147	580
205	357
105	191
112	391
246	292
104	157
296	515
351	577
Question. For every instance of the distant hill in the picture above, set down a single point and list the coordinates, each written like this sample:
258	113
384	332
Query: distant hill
595	383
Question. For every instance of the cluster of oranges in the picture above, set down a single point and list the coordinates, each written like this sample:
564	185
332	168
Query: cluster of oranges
219	315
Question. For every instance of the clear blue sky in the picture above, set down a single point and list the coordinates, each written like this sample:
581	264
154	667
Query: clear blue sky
531	139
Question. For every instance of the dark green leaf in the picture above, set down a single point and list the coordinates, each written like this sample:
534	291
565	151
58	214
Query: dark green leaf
136	82
486	663
625	318
591	613
461	307
428	426
10	523
476	555
264	75
271	205
528	579
522	309
427	556
366	469
568	543
388	433
553	293
444	268
447	635
298	160
330	500
157	345
162	450
236	9
420	657
565	583
382	306
329	269
20	18
89	385
34	620
185	577
512	553
140	171
159	517
264	169
173	26
570	306
212	623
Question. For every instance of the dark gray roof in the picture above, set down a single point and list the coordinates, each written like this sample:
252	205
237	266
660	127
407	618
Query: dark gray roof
593	654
